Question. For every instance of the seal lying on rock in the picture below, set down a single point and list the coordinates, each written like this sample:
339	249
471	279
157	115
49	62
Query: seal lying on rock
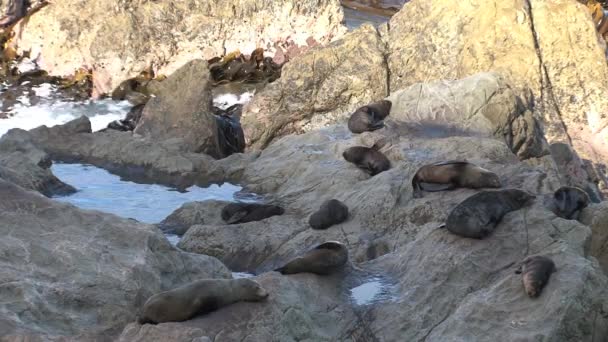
199	297
569	201
477	216
536	271
369	117
248	212
331	212
368	159
451	174
324	259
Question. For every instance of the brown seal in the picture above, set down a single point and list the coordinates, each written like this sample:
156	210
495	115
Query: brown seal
331	212
370	117
569	201
536	271
451	174
199	297
324	259
477	216
248	212
368	159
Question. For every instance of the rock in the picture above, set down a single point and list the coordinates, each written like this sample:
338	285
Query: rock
320	87
182	109
596	217
302	307
73	33
482	104
193	213
74	274
23	164
525	41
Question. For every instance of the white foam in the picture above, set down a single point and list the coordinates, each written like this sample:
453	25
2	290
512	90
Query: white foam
237	275
366	293
26	65
224	101
51	112
173	239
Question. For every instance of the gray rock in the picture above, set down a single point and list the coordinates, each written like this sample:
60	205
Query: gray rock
193	213
182	109
81	275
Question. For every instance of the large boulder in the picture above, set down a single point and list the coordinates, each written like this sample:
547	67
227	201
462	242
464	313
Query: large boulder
78	274
482	105
560	68
119	40
320	87
181	109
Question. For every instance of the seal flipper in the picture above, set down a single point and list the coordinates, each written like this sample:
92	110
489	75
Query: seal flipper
236	217
376	125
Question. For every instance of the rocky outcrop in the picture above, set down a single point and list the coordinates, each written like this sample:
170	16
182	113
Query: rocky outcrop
193	213
119	40
455	288
23	164
560	68
479	105
181	109
81	275
318	88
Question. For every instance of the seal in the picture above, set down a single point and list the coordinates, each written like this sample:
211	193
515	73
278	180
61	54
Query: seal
370	117
569	201
536	271
477	216
324	259
331	212
199	297
447	175
368	159
248	212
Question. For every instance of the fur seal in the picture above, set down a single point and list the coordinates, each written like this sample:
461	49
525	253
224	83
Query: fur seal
477	216
569	201
331	212
368	159
248	212
451	174
199	297
369	117
536	271
324	259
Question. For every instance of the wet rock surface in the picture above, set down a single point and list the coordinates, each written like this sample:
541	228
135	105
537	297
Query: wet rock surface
78	274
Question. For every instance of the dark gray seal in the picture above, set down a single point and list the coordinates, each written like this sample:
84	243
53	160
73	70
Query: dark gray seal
536	271
331	212
249	212
477	216
569	201
370	117
451	174
324	259
368	159
199	297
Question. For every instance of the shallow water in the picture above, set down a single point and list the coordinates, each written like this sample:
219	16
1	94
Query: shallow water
375	290
354	19
150	203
